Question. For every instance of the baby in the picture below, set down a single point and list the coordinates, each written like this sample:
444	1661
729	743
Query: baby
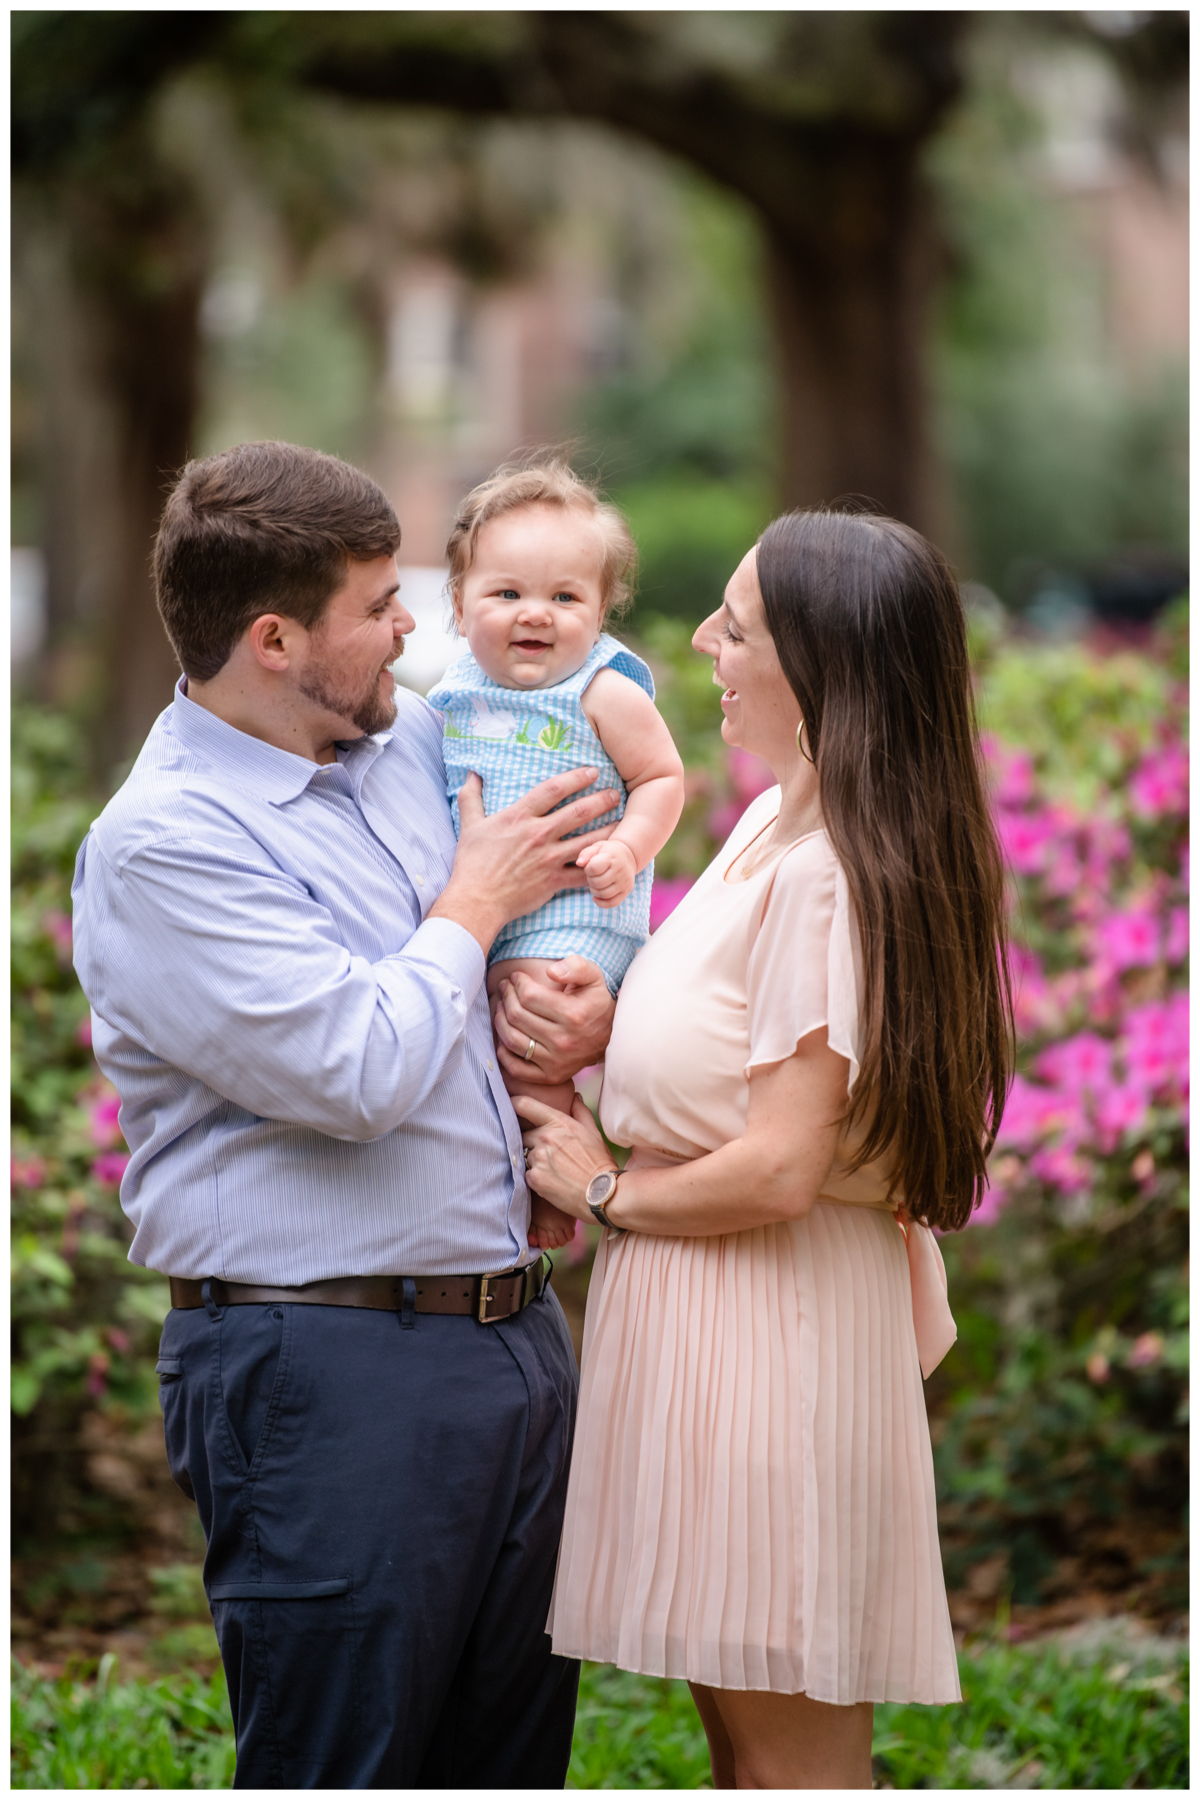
537	562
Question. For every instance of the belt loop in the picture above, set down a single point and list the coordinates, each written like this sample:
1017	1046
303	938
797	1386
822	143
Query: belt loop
408	1310
210	1306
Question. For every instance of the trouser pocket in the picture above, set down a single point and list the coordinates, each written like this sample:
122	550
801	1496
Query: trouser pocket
290	1659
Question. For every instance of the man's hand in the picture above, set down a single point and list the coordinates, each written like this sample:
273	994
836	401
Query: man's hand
569	1016
518	859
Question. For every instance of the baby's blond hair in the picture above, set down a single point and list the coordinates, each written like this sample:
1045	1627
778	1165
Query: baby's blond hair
546	478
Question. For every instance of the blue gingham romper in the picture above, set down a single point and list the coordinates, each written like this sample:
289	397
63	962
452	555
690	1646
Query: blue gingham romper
516	737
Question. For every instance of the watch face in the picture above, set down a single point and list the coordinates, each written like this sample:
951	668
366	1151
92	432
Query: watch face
600	1187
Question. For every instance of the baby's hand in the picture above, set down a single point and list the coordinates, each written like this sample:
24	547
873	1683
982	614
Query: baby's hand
611	869
549	1229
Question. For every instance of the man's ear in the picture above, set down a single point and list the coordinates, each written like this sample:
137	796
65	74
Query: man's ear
272	640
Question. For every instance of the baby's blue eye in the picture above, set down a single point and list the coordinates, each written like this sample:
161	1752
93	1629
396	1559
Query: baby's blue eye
564	597
509	594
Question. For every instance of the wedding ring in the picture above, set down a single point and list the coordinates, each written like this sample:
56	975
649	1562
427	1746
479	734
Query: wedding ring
528	1153
531	1049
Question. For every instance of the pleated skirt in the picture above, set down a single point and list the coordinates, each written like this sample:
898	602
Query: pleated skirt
751	1499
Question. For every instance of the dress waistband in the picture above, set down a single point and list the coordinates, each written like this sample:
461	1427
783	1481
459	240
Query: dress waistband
932	1318
644	1157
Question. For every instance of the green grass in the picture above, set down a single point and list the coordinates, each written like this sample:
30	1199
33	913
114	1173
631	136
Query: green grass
1034	1717
171	1733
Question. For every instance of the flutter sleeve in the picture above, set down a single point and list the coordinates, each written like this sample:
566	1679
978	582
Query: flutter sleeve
805	967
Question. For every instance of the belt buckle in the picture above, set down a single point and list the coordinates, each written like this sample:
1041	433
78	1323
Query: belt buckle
484	1297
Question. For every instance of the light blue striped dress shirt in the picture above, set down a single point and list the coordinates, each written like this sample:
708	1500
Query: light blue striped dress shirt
306	1066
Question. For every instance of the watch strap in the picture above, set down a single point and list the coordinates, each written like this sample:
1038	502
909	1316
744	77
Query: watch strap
598	1212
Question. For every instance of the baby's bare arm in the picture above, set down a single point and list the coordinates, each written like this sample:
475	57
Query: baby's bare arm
630	727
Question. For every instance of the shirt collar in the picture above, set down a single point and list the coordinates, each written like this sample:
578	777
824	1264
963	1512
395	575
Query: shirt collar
275	775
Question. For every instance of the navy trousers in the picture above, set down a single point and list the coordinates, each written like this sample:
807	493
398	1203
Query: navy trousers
382	1496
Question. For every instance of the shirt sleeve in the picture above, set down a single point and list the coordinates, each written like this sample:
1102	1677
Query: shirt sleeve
224	966
805	967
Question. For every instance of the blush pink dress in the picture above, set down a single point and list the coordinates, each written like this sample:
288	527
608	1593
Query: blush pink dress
751	1499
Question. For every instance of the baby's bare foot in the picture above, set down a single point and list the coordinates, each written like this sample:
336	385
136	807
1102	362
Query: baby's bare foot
549	1227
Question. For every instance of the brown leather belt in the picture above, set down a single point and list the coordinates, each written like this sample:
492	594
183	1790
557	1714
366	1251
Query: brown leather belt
487	1298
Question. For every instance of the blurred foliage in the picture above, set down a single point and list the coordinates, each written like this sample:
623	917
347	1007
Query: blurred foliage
301	370
684	431
85	1320
1056	454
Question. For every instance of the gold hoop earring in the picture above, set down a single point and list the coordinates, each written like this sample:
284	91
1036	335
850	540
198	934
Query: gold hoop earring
800	745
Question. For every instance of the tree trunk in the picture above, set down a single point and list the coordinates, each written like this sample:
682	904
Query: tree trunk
851	316
139	259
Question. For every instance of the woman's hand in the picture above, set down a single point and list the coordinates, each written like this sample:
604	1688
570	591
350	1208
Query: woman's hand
562	1153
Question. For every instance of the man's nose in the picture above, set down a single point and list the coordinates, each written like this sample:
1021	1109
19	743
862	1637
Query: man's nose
403	622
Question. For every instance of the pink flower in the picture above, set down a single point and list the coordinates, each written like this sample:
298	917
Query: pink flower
722	819
83	1032
1084	1061
1177	934
1146	1351
1118	1109
1010	771
1027	839
749	775
119	1341
1031	995
109	1169
1159	786
1128	940
1155	1045
1059	1167
665	895
106	1130
1033	1113
28	1174
1097	1366
1185	868
990	1207
97	1373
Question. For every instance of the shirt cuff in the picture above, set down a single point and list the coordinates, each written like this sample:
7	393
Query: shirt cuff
449	947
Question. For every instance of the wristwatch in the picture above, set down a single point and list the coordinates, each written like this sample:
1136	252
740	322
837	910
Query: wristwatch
599	1190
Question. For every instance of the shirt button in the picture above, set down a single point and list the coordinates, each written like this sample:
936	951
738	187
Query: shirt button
420	881
491	1064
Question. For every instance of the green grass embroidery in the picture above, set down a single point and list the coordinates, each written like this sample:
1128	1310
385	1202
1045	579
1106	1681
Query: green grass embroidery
553	736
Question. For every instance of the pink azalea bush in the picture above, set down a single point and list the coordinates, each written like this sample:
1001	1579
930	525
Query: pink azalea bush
1099	921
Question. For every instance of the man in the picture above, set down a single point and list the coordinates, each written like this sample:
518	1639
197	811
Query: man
285	958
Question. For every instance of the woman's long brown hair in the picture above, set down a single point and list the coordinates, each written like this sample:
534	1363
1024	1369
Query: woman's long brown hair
869	627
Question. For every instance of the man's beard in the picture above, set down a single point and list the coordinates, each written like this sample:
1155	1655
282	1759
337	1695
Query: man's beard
368	709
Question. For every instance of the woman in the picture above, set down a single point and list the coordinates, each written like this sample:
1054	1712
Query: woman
809	1059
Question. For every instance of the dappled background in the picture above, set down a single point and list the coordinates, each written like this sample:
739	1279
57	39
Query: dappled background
739	262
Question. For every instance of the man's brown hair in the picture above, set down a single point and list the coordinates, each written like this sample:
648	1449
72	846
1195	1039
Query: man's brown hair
261	528
869	626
